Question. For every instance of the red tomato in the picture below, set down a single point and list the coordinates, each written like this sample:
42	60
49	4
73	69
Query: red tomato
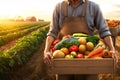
55	42
66	36
73	48
53	49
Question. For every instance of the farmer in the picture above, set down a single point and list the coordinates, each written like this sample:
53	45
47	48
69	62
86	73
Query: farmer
77	16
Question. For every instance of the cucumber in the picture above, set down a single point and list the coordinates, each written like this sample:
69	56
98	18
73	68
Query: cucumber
79	35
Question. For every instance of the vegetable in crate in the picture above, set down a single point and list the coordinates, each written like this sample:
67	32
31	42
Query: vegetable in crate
80	35
82	48
95	52
58	54
101	44
104	54
53	49
107	54
93	39
67	42
65	50
79	55
55	42
82	40
89	46
66	36
73	48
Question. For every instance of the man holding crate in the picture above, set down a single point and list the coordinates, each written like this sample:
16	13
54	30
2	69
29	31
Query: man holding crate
73	16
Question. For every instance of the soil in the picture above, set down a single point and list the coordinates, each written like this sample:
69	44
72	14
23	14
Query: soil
35	69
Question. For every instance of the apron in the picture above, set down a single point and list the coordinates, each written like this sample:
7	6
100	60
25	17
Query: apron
74	24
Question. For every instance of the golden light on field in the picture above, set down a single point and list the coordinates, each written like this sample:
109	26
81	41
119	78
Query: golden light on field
43	8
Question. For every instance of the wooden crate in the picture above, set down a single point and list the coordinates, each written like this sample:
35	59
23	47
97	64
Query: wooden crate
83	66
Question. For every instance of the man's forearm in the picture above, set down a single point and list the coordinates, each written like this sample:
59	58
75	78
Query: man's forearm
49	41
108	41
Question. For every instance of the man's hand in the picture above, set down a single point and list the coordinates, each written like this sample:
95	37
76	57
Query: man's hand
47	58
114	56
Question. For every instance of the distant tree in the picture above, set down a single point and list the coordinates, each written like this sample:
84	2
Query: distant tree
40	20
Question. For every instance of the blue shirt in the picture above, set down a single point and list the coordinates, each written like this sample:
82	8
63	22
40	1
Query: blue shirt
94	18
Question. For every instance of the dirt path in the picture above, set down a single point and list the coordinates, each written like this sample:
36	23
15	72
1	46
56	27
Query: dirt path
8	45
35	69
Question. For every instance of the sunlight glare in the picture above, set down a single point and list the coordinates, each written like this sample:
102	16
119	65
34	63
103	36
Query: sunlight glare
43	8
10	8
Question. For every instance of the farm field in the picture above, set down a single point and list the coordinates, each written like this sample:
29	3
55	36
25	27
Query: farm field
21	52
19	40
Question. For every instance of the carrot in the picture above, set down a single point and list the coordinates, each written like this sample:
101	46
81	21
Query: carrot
106	54
98	55
94	52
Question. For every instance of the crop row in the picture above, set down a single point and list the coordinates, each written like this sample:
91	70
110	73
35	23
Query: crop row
17	26
12	36
21	52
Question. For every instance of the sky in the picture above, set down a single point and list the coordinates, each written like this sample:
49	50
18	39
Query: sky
43	9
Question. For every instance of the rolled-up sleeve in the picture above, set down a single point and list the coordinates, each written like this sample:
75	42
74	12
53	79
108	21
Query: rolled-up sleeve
54	25
100	23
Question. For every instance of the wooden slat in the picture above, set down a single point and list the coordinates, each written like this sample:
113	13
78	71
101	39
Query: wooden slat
83	66
83	62
83	70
